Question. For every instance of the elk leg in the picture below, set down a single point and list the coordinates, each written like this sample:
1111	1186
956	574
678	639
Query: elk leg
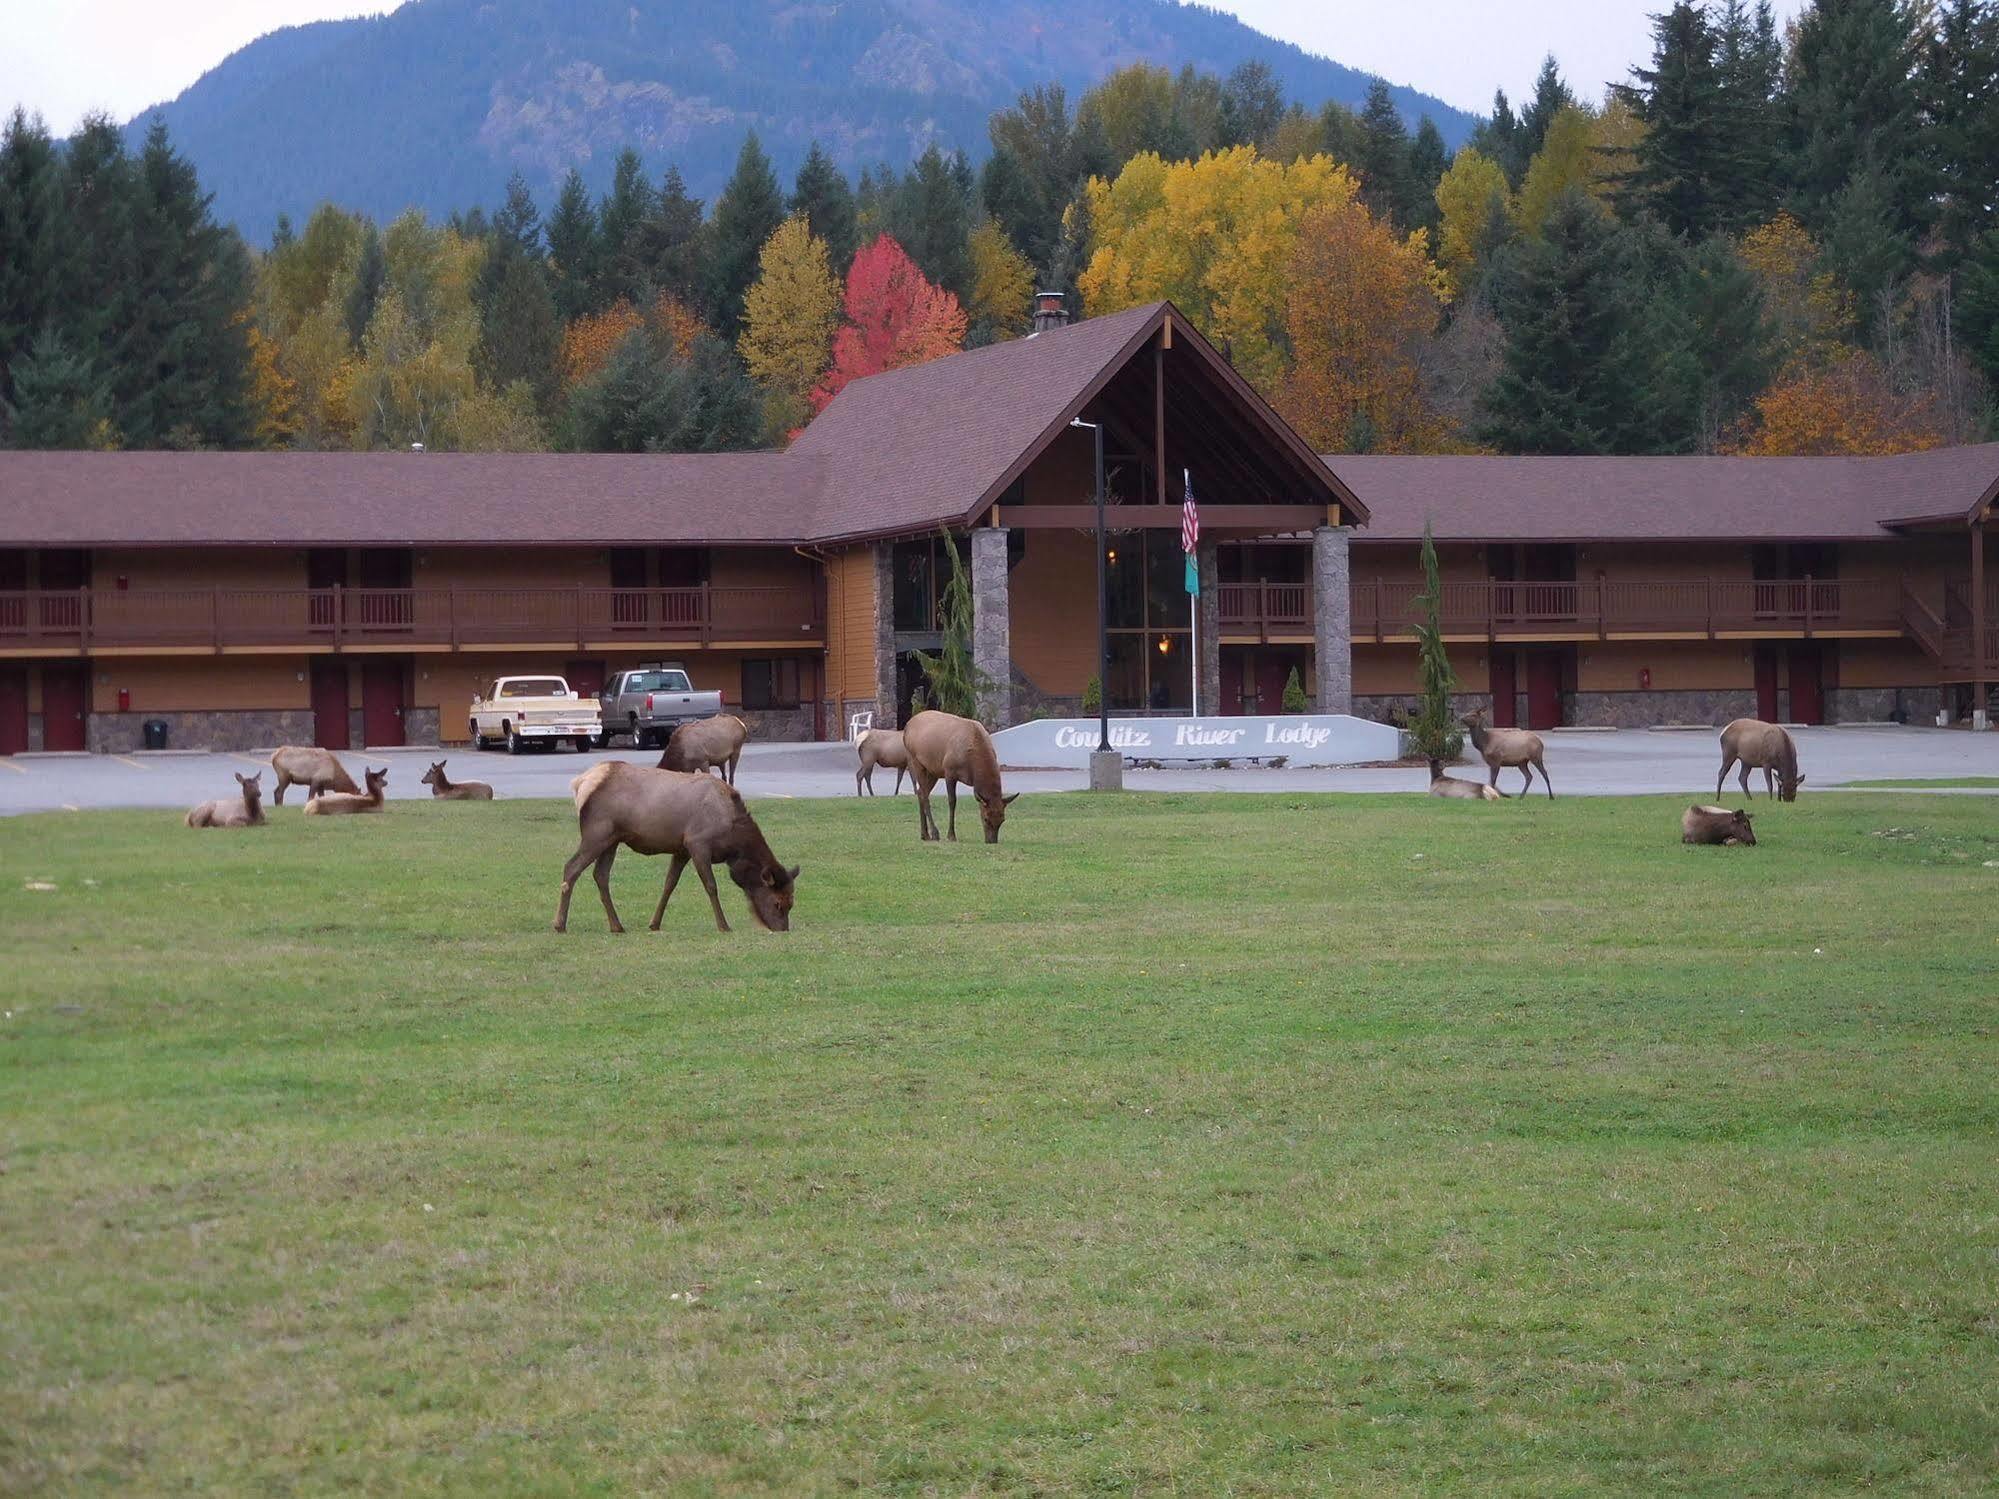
602	871
1493	779
579	861
1544	778
708	883
1722	774
860	779
672	878
1745	782
925	824
898	781
1769	782
738	755
1526	779
278	795
951	796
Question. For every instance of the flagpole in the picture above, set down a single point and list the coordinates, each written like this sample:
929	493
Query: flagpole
1193	606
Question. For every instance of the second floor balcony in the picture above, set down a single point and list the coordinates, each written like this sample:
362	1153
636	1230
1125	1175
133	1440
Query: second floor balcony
343	619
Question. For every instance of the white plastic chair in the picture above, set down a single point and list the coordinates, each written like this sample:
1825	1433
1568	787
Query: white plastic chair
859	724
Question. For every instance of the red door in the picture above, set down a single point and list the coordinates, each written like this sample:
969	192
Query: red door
1272	671
13	709
1503	689
1231	703
1766	683
64	690
1807	684
1544	690
585	678
329	704
382	703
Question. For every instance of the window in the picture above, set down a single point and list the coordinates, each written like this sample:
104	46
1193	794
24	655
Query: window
658	681
771	683
534	687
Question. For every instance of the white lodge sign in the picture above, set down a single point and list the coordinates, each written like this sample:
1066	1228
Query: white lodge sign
1300	739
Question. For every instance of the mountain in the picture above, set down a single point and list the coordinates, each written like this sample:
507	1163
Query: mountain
436	103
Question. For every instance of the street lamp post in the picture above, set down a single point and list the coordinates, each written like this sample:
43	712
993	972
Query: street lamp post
1103	600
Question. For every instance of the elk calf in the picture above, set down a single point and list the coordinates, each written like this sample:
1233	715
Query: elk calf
244	811
1519	748
880	747
1715	825
444	789
334	803
1452	787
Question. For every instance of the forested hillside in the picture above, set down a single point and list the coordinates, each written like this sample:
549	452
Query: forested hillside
436	104
1758	245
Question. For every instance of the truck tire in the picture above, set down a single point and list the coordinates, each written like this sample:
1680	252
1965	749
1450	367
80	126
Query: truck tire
515	744
478	743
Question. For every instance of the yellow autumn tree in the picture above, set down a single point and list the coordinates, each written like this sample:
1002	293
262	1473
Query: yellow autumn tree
1214	236
1564	161
587	343
1614	134
1847	404
1363	302
676	323
1471	196
1002	292
273	393
1809	309
789	315
319	360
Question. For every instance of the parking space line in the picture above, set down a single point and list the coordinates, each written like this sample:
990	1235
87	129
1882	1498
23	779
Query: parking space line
128	760
7	761
248	759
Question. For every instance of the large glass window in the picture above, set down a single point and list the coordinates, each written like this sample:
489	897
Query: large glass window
1150	618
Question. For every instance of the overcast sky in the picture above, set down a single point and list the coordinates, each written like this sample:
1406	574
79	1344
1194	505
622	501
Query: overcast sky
64	57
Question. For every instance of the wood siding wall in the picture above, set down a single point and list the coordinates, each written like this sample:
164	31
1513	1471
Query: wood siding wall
851	608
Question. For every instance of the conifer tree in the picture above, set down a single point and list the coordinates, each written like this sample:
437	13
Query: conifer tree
1551	97
364	290
675	241
1960	81
955	682
573	250
1498	139
1749	60
1429	158
1851	104
1386	185
621	225
930	216
1679	100
60	400
748	213
1252	102
822	195
1434	730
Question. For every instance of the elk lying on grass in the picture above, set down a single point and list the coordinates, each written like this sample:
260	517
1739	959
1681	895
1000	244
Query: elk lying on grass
944	747
318	770
336	803
444	789
243	811
695	818
706	743
1767	747
1502	747
1715	825
880	747
1451	786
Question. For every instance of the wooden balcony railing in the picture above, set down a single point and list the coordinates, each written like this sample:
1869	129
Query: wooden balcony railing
342	618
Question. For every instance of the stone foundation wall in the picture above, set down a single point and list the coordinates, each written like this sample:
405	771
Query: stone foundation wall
1641	710
121	733
419	726
36	739
780	725
1398	708
1918	705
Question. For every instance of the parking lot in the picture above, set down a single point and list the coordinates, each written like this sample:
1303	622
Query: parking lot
1581	763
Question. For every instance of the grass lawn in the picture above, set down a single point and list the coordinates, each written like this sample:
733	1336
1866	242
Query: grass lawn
1190	1145
1980	781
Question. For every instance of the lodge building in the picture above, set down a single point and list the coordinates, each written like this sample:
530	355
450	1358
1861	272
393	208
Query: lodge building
251	599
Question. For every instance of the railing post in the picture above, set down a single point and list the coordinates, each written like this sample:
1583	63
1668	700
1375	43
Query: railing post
339	616
215	618
83	619
578	597
707	613
1808	606
1602	632
451	612
1710	606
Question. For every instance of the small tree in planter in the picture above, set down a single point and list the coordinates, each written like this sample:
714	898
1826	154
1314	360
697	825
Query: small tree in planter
1294	693
1434	730
1093	695
955	682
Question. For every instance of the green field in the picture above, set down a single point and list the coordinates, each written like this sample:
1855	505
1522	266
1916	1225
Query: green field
1178	1145
1978	782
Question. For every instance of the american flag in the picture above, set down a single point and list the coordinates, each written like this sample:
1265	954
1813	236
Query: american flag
1190	533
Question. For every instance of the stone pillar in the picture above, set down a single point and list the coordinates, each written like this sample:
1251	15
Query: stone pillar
886	704
1332	618
1209	609
992	624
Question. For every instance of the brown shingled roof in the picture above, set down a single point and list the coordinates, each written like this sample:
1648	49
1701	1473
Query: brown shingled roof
352	499
1664	499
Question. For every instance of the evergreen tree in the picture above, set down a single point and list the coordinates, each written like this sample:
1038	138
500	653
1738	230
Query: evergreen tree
1385	181
1252	102
622	220
1051	158
675	241
1498	139
101	194
371	274
1961	94
517	226
1341	135
956	685
35	241
1749	61
1587	367
748	213
822	194
1429	159
648	400
59	400
573	250
1010	198
1978	279
1731	337
1551	97
519	330
1434	730
1864	247
930	216
1851	105
1679	100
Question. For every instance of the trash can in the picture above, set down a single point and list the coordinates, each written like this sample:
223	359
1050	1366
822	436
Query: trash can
155	730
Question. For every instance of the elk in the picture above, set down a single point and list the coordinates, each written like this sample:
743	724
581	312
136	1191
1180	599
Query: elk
944	747
880	747
244	811
318	770
1452	787
1502	747
695	818
1766	746
705	743
444	789
335	803
1720	825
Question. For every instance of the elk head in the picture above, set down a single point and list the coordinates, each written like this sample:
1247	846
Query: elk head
992	812
771	889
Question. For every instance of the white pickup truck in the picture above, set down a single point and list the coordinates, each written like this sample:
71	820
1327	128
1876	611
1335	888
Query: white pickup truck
519	711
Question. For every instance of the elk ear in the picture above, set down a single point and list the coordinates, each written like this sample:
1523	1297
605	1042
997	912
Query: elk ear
1801	780
1008	801
243	780
791	875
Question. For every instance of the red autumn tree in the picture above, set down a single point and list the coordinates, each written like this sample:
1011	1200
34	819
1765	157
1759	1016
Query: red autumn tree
894	317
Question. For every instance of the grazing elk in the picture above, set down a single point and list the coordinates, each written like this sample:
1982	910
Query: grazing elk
318	770
1452	787
708	742
243	811
880	747
1715	825
695	818
1502	747
444	789
336	803
944	747
1767	747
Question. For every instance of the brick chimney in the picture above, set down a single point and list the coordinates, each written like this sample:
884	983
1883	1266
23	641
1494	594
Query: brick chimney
1051	310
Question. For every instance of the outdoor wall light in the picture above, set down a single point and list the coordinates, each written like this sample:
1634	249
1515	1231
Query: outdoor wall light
1165	645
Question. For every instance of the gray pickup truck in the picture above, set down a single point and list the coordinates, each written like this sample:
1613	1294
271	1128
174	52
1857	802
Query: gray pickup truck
649	702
